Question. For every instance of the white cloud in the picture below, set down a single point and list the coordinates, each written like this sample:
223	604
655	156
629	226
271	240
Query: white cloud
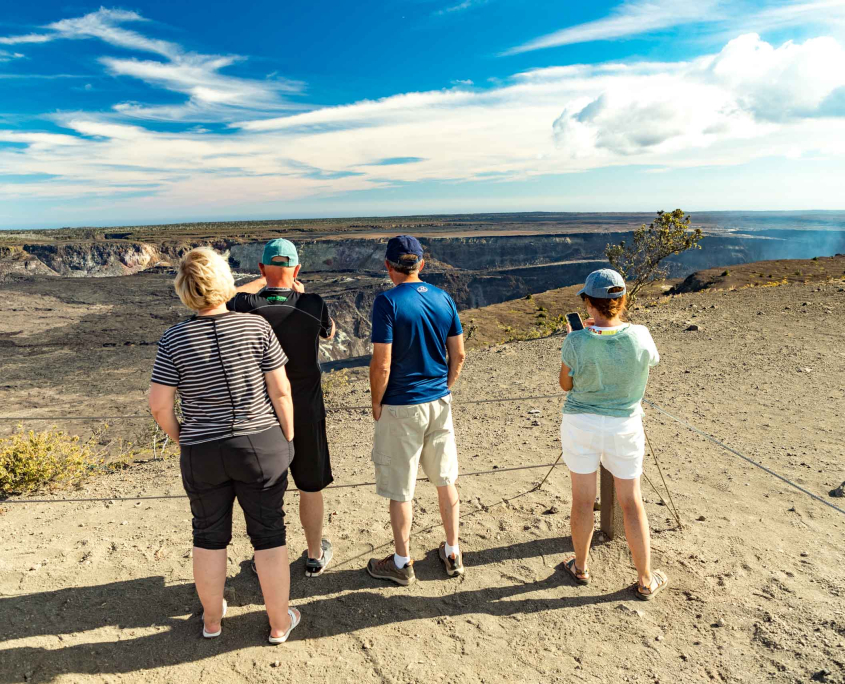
638	17
29	38
750	100
212	96
105	25
460	7
739	94
462	82
6	56
199	77
815	12
633	17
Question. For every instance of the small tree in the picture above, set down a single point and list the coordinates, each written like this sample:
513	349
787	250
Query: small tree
639	262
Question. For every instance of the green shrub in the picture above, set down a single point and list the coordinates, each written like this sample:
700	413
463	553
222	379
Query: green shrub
640	261
725	274
29	460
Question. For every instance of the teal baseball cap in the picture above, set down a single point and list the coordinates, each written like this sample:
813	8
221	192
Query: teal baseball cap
280	252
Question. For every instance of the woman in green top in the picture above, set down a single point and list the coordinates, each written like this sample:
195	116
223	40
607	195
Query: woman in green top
604	371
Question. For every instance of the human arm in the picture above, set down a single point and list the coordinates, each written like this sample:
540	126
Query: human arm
253	286
457	356
379	374
327	325
569	362
565	378
278	389
384	316
163	408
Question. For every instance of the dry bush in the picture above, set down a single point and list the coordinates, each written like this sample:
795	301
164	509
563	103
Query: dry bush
29	460
334	382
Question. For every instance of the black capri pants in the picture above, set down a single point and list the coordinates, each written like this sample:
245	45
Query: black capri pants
253	468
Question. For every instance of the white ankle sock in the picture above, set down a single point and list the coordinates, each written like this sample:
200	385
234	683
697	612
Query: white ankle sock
449	550
400	561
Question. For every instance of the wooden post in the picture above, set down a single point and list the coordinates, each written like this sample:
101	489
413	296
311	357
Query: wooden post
612	524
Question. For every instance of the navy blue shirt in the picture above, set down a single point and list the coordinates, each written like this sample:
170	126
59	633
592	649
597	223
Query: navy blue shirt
416	318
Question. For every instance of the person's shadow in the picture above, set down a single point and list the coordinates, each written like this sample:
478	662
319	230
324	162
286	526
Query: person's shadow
147	603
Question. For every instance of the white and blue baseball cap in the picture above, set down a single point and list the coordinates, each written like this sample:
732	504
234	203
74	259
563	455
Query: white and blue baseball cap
599	283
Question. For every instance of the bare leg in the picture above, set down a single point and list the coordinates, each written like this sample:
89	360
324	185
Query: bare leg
311	516
450	512
401	513
274	575
582	523
636	526
210	578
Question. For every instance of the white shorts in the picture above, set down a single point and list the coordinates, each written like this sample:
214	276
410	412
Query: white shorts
588	439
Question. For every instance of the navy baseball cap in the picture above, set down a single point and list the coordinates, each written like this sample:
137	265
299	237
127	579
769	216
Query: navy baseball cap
403	245
599	282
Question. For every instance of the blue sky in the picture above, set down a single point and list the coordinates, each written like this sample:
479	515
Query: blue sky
166	112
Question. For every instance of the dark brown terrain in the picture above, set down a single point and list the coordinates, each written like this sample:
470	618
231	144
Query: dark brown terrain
535	316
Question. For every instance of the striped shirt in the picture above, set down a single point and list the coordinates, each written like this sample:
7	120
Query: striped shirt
217	363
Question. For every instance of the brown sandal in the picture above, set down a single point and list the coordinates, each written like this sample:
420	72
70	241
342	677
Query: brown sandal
648	593
579	576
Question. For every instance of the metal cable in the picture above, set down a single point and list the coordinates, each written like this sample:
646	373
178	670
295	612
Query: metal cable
343	486
673	509
508	399
328	408
742	456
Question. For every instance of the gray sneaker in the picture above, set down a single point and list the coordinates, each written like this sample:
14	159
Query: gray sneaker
386	569
454	566
316	566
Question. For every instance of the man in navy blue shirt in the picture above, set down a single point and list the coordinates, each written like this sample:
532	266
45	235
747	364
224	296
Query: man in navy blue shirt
418	352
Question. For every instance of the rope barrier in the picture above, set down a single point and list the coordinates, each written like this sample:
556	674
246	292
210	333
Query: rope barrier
328	408
742	456
475	402
673	509
343	486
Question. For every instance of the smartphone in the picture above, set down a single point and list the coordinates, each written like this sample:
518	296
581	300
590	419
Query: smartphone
574	321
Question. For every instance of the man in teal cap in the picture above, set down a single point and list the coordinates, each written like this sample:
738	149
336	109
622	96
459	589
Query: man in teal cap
299	320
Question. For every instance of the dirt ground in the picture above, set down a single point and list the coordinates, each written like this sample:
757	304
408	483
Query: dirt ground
102	592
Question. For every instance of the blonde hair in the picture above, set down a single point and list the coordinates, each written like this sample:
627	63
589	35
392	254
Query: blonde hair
204	279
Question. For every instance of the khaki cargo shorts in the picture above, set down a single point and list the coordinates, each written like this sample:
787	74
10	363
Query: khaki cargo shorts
409	436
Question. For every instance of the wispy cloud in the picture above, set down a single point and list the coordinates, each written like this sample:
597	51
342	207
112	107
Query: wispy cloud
460	7
212	95
639	17
396	161
29	38
46	77
632	18
462	82
6	56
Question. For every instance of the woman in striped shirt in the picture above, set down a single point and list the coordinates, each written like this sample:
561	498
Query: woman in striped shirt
235	436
